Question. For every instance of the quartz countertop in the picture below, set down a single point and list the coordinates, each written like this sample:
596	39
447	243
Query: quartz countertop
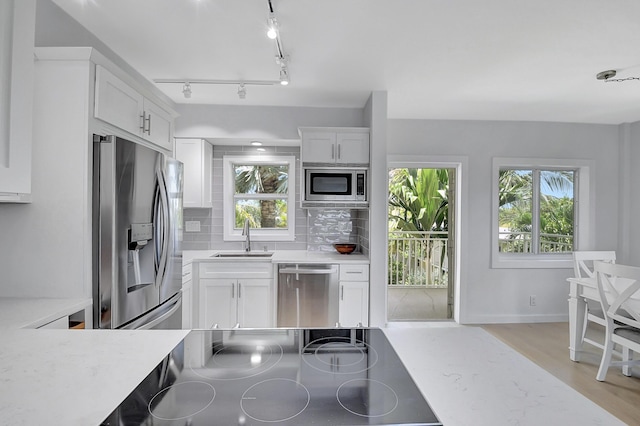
78	377
284	256
469	377
36	312
75	377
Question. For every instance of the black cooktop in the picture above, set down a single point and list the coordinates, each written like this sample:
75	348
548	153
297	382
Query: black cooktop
279	377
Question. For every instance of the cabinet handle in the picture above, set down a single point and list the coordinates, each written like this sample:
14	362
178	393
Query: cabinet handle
338	151
145	123
239	290
341	292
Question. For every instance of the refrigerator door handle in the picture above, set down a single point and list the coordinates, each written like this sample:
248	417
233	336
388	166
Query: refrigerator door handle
163	225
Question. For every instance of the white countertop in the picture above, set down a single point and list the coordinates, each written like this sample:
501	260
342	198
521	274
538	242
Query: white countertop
284	256
471	378
36	312
74	377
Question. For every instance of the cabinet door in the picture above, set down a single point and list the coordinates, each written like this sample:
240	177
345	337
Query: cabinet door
218	303
157	125
17	23
319	147
118	103
352	148
196	155
354	303
254	306
187	303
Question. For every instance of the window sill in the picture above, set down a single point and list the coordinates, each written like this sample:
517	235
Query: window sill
531	262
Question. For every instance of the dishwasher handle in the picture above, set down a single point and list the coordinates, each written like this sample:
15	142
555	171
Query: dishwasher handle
304	271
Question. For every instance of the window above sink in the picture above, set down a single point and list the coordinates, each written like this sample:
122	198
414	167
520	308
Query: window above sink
262	190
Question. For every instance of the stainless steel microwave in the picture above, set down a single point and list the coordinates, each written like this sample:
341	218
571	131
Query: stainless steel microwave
336	185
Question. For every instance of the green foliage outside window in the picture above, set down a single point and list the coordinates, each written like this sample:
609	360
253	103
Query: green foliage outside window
261	194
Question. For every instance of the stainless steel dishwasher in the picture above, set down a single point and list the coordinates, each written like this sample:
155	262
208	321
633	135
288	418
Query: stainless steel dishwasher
307	295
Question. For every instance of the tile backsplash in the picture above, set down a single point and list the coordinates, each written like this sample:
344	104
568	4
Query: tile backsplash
329	226
315	229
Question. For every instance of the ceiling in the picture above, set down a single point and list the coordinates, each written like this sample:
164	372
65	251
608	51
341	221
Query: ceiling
436	59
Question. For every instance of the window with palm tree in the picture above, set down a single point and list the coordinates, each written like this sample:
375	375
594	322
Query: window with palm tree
258	189
536	210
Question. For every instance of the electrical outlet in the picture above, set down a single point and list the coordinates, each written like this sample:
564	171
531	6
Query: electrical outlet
192	226
532	300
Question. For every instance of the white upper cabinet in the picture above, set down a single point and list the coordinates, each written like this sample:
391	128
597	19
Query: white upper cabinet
118	103
17	29
158	125
121	105
197	157
335	146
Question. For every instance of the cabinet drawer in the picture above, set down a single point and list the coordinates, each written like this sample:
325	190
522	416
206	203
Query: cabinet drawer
356	272
250	269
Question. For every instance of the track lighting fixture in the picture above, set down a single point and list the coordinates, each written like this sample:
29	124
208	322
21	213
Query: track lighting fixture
272	27
282	59
242	92
284	76
186	90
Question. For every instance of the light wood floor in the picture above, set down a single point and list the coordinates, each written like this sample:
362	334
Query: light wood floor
546	344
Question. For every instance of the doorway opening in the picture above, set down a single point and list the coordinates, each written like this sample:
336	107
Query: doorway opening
420	247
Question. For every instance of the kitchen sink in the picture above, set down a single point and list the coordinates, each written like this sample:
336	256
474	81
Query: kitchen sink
244	255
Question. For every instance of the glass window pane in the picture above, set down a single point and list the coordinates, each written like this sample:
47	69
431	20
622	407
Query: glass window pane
261	179
515	210
556	211
262	214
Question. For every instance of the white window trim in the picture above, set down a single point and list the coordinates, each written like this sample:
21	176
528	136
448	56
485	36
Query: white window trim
233	234
583	226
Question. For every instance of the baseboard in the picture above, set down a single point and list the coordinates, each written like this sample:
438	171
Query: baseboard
504	319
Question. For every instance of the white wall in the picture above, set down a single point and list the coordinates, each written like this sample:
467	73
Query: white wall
630	194
502	295
376	120
257	122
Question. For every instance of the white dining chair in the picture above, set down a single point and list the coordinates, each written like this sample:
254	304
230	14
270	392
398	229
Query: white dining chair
619	289
583	269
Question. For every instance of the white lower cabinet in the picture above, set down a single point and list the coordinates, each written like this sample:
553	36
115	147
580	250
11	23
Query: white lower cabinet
187	303
244	300
353	307
187	298
228	303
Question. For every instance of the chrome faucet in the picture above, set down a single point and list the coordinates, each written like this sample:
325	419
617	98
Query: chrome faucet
247	233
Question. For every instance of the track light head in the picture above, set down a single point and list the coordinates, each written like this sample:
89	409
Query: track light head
186	90
272	27
284	76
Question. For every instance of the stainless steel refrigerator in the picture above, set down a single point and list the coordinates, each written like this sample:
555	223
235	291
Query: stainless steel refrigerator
137	236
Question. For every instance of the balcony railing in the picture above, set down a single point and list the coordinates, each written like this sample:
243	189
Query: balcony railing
520	242
418	259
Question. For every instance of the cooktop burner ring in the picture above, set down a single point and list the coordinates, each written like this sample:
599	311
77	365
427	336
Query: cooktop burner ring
343	344
382	388
202	389
297	396
254	367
